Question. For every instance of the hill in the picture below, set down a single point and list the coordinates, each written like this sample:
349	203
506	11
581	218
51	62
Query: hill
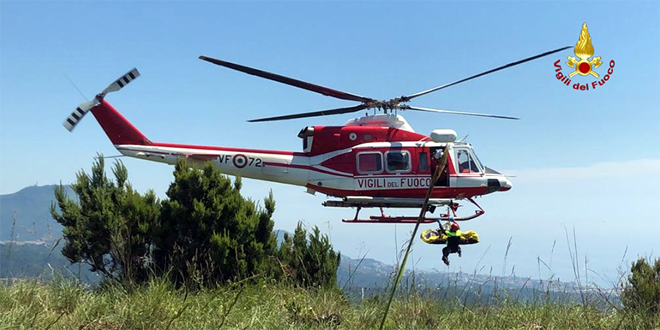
40	259
32	208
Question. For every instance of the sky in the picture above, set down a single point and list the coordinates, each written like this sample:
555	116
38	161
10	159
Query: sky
584	164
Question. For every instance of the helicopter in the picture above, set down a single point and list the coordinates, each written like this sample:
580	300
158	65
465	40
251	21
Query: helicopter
374	161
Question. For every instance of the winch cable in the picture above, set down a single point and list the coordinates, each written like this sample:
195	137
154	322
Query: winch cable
442	163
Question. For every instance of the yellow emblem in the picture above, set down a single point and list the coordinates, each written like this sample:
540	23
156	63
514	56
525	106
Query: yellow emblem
584	50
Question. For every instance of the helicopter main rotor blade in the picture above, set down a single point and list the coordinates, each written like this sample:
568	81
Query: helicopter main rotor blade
410	97
289	81
408	107
313	113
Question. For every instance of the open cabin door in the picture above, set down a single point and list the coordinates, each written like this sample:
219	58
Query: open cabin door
427	164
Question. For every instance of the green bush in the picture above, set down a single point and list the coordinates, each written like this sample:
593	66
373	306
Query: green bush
204	234
111	226
642	294
311	263
209	232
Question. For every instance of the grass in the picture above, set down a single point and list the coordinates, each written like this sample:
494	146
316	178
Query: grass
66	304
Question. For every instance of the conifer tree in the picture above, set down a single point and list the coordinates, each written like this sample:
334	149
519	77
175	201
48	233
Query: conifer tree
205	232
209	232
110	226
310	263
642	294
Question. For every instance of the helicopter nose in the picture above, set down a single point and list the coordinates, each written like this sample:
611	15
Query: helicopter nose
505	184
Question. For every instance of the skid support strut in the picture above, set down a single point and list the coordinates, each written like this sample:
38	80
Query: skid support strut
357	213
409	219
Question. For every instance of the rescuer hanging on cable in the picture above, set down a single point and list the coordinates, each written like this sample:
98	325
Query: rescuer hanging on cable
453	239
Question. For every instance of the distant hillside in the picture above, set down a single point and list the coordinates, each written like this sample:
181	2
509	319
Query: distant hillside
32	207
358	278
29	259
40	259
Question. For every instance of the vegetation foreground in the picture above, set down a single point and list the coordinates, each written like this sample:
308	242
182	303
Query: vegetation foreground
207	258
64	304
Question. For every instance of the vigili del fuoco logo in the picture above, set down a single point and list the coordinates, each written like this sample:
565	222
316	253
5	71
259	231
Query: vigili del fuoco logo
584	66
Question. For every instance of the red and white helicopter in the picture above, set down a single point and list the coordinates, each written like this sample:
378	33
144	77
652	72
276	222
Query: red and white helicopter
371	161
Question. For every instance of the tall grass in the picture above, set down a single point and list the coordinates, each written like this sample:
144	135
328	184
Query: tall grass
66	304
55	302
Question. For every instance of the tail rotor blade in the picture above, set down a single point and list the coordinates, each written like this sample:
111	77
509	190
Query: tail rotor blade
408	107
121	82
75	117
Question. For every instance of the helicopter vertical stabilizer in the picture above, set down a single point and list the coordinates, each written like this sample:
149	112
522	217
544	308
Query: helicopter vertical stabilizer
116	127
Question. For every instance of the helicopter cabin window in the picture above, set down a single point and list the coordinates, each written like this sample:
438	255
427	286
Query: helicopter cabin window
369	162
423	161
398	161
466	163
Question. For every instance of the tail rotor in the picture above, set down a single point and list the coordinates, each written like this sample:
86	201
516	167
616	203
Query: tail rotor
73	119
82	109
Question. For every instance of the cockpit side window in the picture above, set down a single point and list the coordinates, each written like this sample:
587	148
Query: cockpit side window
466	163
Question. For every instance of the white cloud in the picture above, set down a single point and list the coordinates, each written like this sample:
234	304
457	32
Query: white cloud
622	169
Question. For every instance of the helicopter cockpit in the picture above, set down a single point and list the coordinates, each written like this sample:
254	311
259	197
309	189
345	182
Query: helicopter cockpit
467	161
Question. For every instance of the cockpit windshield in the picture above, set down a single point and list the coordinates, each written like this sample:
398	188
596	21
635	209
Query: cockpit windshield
476	159
467	162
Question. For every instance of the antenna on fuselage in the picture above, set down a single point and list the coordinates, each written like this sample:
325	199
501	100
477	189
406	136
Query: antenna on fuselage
76	87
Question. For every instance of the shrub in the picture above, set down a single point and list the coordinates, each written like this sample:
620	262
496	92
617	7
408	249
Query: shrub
310	263
111	225
642	294
205	233
209	232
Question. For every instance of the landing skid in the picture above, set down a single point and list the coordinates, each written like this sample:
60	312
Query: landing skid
406	219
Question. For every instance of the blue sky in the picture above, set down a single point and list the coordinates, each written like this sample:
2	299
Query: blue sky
583	160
